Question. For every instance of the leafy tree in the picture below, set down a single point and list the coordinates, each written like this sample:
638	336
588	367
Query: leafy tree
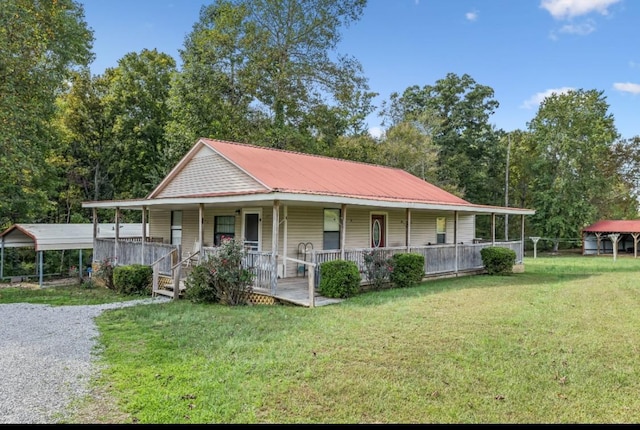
261	71
572	134
469	154
40	42
137	94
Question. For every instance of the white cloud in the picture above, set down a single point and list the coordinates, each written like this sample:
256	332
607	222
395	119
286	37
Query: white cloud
471	16
627	87
537	98
579	29
376	132
566	9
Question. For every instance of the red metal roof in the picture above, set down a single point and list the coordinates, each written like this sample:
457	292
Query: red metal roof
614	226
295	172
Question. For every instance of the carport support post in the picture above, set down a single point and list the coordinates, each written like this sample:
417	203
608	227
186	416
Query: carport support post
2	259
493	229
117	237
80	266
635	244
614	240
535	246
41	266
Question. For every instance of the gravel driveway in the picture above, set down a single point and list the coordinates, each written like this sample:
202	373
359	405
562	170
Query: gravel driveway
46	358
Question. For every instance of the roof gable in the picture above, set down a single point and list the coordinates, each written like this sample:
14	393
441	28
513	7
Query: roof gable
295	172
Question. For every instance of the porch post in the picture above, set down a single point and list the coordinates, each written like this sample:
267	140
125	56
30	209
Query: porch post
144	233
200	229
455	240
274	246
493	229
2	259
80	265
285	241
522	237
95	233
117	237
407	238
344	231
41	266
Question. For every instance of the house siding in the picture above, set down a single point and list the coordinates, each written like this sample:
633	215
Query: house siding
209	173
160	225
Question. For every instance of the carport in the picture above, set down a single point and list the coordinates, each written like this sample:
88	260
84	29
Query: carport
57	237
611	236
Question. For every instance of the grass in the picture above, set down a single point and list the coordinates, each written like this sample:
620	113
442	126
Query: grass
556	344
74	294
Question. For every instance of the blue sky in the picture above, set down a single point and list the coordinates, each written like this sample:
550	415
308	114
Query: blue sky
523	49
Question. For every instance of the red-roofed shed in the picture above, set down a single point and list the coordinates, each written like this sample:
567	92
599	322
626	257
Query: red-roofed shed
596	238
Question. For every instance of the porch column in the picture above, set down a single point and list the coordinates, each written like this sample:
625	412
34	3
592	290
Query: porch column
598	243
344	231
493	229
407	239
200	230
41	272
455	240
614	241
144	233
95	231
522	237
285	241
117	237
2	259
635	245
274	245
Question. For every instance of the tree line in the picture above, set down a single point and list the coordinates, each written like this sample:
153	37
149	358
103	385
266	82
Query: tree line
266	72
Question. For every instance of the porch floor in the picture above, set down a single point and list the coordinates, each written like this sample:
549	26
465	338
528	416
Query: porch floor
296	291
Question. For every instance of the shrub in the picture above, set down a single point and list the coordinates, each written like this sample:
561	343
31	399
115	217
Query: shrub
134	279
199	284
105	272
227	281
498	260
408	269
339	279
377	268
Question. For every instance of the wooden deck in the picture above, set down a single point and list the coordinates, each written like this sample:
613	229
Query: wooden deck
296	291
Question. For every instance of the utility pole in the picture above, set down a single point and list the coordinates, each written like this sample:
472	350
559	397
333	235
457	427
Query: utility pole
506	191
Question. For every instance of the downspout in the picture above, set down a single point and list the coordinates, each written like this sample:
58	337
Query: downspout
274	246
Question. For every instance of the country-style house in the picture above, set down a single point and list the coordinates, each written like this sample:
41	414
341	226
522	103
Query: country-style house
294	211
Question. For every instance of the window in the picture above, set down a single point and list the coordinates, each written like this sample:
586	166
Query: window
224	226
441	229
176	227
331	230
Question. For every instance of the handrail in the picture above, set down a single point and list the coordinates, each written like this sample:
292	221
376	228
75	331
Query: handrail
189	257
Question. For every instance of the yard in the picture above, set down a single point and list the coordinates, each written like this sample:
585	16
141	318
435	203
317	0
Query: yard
556	344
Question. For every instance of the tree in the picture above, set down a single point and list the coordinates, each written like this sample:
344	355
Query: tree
572	134
40	42
136	99
261	71
470	156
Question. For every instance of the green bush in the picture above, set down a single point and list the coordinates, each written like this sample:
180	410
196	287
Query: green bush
498	260
377	268
407	269
200	287
221	277
133	279
339	279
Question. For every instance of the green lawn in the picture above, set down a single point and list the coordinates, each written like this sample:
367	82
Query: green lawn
556	344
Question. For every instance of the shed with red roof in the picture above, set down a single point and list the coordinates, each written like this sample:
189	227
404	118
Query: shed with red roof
599	238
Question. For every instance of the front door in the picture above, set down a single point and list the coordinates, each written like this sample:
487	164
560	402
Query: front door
252	231
377	231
